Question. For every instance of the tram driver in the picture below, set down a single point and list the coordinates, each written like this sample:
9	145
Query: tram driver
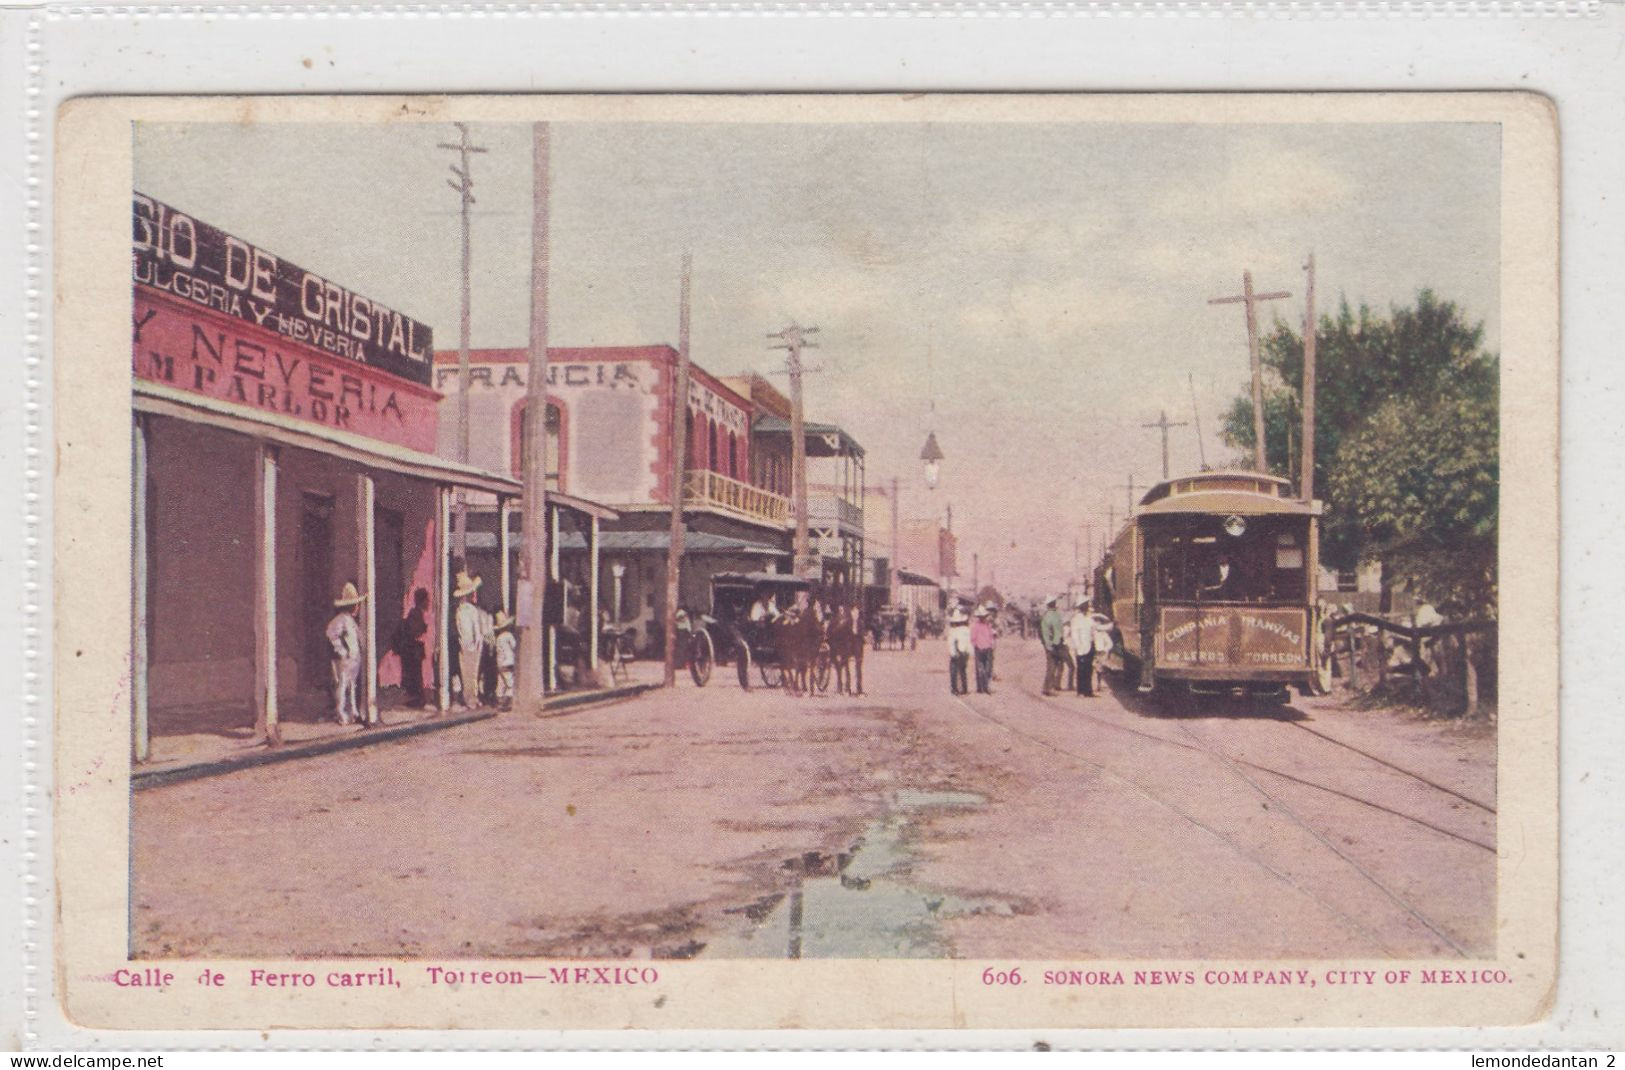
1223	581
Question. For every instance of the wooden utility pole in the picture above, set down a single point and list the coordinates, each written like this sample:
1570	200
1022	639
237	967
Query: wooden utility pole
1196	414
529	681
896	545
1251	301
464	186
679	473
793	339
1163	425
1307	483
1129	486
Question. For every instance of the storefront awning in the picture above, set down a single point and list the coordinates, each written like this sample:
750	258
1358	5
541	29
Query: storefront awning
695	542
161	400
914	579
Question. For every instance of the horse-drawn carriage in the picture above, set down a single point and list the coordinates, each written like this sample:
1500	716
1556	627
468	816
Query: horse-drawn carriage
773	626
889	628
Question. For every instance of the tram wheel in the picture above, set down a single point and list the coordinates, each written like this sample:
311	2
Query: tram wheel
742	663
701	656
1180	700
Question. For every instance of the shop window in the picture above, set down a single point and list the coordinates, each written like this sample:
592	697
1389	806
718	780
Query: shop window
1348	580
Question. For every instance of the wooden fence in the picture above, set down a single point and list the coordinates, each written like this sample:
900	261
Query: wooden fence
1437	658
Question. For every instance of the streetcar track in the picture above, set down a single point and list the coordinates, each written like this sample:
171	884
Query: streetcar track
1282	807
1204	747
1398	769
1317	786
1228	841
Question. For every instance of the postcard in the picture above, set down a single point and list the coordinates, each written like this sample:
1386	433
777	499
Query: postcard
931	561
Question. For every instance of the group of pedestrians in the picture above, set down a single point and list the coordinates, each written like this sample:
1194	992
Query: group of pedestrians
1071	646
484	651
971	637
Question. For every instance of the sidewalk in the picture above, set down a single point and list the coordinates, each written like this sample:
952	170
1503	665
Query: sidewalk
194	755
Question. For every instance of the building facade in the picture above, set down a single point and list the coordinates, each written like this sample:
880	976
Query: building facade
282	432
609	425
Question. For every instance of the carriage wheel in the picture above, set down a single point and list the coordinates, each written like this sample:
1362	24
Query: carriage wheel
701	656
772	675
818	679
742	663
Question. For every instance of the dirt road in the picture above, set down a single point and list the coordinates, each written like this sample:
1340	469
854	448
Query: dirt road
907	822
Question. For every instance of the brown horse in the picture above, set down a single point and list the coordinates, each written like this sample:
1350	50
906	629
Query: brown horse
798	636
846	650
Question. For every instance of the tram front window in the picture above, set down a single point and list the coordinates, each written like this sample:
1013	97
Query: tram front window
1196	559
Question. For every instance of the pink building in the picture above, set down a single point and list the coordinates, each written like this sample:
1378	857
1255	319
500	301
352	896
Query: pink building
609	440
283	434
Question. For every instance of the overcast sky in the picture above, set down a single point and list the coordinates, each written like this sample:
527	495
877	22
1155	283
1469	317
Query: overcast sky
1047	285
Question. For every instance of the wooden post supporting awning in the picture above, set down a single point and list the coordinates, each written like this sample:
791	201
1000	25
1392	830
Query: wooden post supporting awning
270	436
140	728
267	727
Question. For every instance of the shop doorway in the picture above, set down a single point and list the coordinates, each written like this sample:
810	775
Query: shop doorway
389	532
316	590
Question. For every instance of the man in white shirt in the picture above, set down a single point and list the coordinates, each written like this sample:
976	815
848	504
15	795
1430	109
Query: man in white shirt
344	637
1081	639
764	608
470	639
959	651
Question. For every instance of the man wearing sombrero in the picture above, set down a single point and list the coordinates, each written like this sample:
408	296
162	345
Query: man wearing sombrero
470	639
344	637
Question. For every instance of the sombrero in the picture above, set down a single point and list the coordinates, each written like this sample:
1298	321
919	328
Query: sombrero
502	621
466	584
348	597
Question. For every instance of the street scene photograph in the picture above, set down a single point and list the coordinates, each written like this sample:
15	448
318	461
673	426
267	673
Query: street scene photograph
645	539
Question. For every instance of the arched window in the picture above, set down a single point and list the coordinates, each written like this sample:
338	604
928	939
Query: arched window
696	428
733	455
713	464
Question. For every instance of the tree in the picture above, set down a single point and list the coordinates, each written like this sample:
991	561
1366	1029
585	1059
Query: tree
1406	422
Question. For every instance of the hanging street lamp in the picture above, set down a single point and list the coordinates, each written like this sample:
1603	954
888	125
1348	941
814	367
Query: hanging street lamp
932	456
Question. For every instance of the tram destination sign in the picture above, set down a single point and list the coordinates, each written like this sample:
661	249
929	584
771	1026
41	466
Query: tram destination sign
178	254
1254	637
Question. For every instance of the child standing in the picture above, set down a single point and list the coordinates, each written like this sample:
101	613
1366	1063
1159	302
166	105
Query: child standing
507	645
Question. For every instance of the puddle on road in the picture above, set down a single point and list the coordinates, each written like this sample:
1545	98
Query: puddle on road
853	904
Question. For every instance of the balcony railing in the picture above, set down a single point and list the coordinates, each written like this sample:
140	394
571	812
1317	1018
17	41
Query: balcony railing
826	509
707	488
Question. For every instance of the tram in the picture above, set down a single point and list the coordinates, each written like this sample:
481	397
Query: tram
1212	587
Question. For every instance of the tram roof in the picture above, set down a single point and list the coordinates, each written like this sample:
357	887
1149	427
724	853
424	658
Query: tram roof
1232	491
